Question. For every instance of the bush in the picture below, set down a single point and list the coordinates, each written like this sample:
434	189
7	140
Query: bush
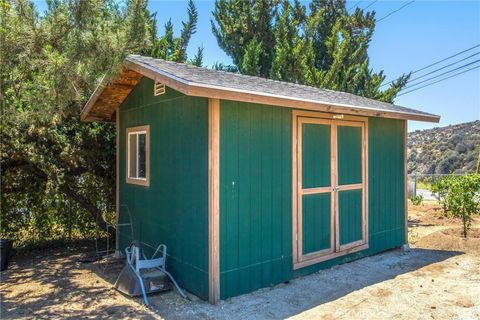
416	200
461	148
460	196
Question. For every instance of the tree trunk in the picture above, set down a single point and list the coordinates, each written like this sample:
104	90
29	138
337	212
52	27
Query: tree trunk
84	202
95	213
465	222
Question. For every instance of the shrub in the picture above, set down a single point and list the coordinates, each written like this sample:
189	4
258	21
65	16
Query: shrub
440	187
460	196
416	200
461	148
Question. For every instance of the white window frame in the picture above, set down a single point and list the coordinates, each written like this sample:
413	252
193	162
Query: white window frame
136	131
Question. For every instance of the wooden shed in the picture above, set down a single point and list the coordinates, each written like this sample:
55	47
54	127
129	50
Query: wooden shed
252	182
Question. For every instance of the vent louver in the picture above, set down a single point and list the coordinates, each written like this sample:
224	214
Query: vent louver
158	89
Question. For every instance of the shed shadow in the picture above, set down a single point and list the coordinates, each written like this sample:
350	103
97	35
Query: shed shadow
279	302
304	293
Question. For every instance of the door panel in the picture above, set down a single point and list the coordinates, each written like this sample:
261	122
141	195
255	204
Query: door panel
329	181
350	177
349	154
350	216
316	219
315	155
315	193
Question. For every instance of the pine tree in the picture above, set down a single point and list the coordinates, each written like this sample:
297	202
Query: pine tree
245	31
198	58
326	47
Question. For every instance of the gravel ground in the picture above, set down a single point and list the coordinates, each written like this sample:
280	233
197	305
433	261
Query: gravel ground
425	283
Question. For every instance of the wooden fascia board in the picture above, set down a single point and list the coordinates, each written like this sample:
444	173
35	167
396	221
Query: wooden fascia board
84	116
202	90
169	80
217	92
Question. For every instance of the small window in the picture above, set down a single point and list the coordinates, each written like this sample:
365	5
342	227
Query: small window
138	155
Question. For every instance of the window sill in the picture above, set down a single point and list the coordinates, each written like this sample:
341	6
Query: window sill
138	182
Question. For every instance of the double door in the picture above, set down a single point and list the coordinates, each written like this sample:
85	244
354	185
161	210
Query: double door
330	190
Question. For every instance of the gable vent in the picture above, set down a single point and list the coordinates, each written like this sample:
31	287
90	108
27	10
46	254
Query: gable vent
158	88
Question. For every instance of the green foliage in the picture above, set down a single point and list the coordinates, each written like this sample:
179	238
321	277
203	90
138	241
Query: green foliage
57	173
224	67
441	187
416	200
324	46
460	196
198	58
241	22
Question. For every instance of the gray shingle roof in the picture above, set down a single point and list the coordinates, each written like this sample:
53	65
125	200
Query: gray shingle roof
203	77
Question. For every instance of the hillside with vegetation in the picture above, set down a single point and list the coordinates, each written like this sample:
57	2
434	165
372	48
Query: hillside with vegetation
451	149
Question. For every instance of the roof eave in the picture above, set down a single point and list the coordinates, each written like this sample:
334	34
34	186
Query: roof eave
84	115
202	90
211	91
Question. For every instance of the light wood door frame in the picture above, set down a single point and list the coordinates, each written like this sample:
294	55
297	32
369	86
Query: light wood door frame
301	260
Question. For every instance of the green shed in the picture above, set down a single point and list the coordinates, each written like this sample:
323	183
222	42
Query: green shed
252	182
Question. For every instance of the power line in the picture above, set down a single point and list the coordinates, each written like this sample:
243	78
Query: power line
452	56
448	65
454	75
371	4
395	11
356	4
435	63
442	74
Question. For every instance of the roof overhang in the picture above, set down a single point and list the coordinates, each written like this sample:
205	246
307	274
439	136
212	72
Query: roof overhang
109	96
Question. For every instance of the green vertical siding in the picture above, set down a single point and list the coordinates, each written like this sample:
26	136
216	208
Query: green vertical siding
386	183
349	155
255	197
174	209
315	155
350	216
256	187
316	222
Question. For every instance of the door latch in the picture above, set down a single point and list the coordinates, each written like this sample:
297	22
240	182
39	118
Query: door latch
336	188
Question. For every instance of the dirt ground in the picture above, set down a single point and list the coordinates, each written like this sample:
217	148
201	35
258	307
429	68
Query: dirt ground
438	279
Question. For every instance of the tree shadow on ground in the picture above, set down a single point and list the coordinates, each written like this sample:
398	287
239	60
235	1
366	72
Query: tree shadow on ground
418	223
54	284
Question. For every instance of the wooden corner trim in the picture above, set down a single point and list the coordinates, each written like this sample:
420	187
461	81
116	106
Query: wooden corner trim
117	177
213	200
405	160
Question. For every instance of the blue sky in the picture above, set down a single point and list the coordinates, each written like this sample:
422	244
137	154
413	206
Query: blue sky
419	34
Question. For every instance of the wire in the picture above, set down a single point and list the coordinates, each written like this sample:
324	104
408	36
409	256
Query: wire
442	74
395	11
448	65
457	74
356	4
435	63
371	4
